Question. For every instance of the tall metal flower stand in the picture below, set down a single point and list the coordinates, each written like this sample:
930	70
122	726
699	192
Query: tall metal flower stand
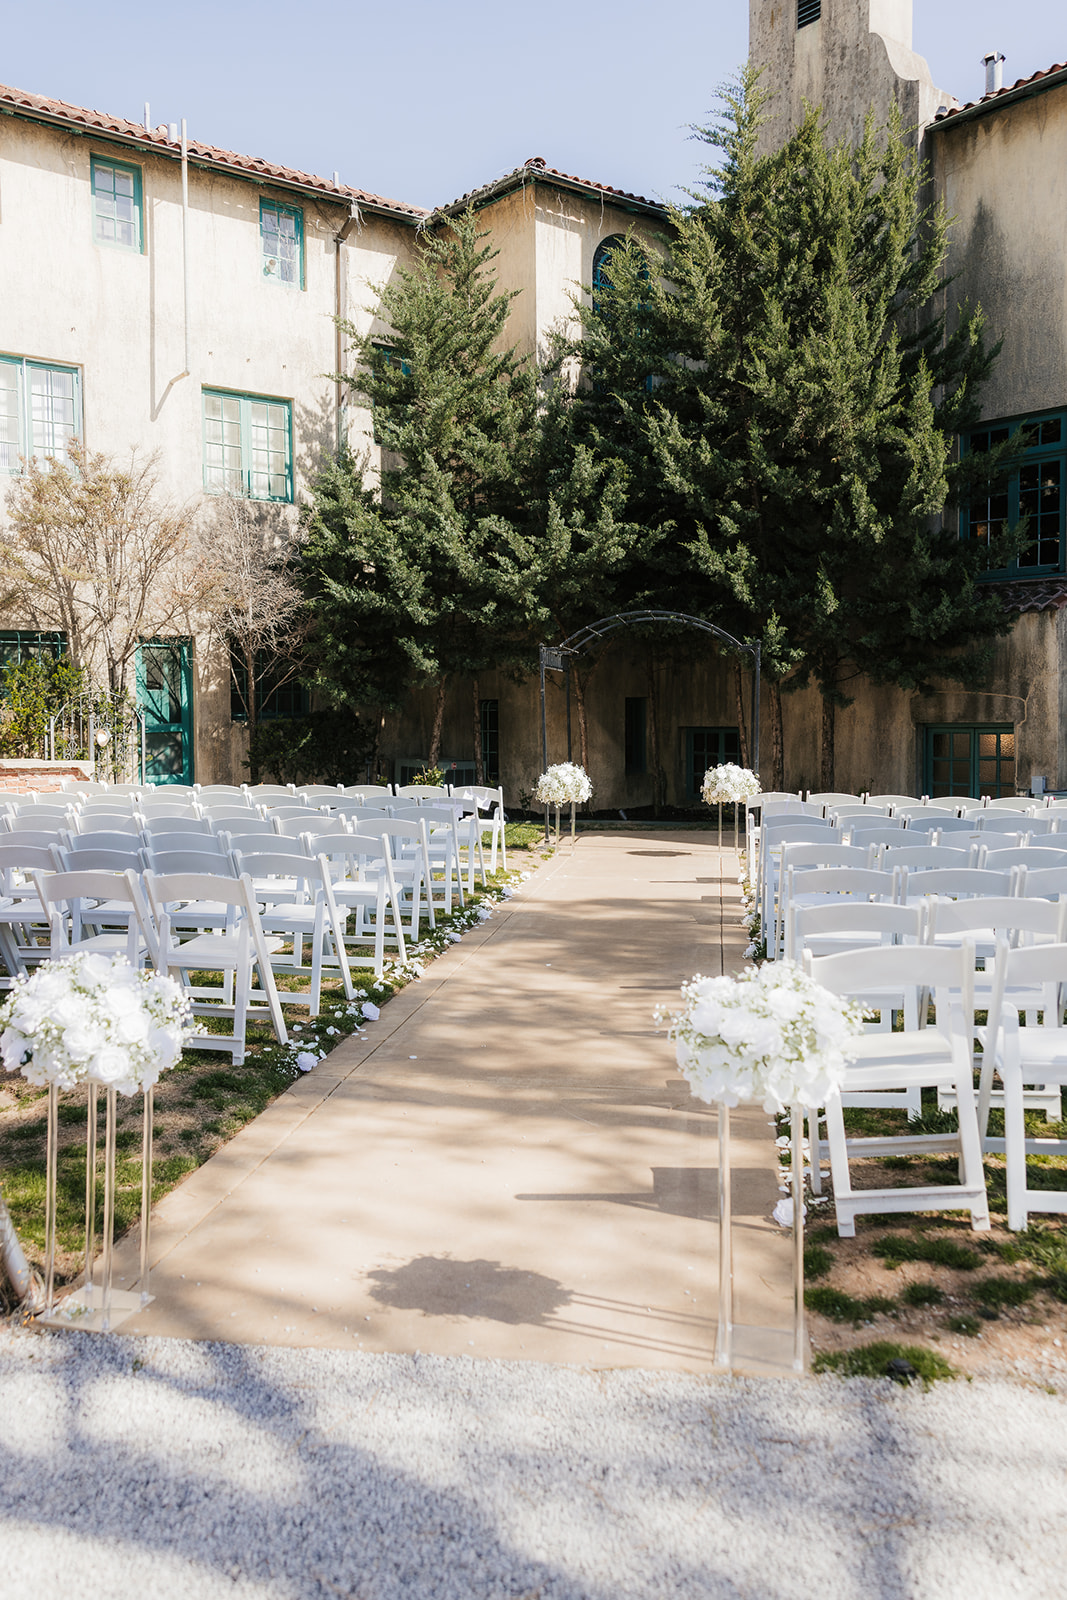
98	1307
724	1342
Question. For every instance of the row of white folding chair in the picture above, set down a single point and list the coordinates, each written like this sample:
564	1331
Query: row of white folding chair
492	820
75	905
830	924
895	1062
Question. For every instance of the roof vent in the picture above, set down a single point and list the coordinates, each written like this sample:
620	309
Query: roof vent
994	71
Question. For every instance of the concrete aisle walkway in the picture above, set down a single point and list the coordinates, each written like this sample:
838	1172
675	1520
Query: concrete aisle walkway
506	1164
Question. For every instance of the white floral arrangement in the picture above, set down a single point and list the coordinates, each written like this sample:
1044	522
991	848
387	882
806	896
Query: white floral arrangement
93	1018
563	784
771	1035
729	784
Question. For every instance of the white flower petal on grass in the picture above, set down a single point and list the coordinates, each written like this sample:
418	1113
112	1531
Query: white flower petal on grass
306	1060
370	1011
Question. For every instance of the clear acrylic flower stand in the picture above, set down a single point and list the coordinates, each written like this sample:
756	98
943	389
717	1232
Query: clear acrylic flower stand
724	1342
101	1307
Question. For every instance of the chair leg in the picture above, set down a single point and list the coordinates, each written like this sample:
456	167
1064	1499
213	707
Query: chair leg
1015	1145
835	1139
816	1150
972	1172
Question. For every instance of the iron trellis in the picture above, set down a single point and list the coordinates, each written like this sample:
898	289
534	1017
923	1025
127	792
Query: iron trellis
556	658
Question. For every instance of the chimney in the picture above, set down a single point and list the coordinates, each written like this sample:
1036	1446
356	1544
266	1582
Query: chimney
994	71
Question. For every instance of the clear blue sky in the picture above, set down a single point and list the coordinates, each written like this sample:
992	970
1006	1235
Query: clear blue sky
422	101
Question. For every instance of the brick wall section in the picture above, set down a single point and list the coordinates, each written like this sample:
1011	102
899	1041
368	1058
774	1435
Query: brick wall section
42	780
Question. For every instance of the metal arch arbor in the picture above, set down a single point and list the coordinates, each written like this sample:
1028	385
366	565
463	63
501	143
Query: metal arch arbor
556	658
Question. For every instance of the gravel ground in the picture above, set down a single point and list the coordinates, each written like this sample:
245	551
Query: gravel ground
172	1469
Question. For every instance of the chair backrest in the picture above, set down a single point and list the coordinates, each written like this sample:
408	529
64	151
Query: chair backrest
265	791
1047	882
39	820
169	862
961	883
22	859
830	798
938	822
845	813
920	813
869	821
103	839
374	805
312	792
166	890
999	821
60	891
924	857
1033	855
286	864
237	819
278	844
201	844
108	822
798	830
155	824
129	860
227	792
39	838
894	800
420	791
1026	967
825	855
866	837
1005	914
396	832
292	809
167	808
313	822
862	920
888	969
785	806
1019	802
847	880
356	791
480	792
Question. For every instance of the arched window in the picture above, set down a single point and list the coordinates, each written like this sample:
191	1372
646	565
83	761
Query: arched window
601	259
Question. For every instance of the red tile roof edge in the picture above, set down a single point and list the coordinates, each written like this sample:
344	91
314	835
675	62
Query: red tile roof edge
159	140
987	100
535	167
1037	594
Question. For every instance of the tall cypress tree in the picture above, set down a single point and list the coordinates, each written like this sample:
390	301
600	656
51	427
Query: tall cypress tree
801	412
428	579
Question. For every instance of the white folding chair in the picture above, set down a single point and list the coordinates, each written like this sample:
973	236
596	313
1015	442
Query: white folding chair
894	800
924	857
363	887
234	951
77	902
1047	883
296	900
1018	802
844	908
956	883
490	802
1032	855
21	911
829	799
1024	1057
410	856
443	839
918	1057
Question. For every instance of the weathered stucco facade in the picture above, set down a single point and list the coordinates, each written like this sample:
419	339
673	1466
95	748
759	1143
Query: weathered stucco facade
114	320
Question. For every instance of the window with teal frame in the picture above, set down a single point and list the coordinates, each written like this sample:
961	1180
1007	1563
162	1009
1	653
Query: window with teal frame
962	758
281	239
704	748
1035	488
248	446
278	692
29	644
117	209
40	410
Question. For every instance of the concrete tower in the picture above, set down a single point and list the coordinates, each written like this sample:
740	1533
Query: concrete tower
843	55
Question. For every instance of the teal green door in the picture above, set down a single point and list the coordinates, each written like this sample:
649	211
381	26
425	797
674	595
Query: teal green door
165	693
964	759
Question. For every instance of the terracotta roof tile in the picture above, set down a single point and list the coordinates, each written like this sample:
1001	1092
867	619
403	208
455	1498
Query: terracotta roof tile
536	167
998	94
1036	594
159	139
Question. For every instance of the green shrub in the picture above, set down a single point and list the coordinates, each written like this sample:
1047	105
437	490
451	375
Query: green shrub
817	1261
323	747
922	1294
999	1293
841	1307
896	1247
872	1361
